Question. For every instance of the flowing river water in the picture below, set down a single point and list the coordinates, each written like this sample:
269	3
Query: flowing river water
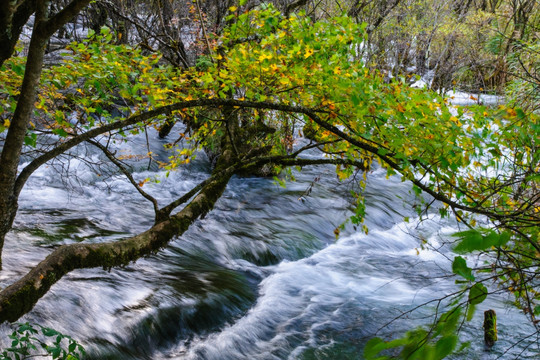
262	276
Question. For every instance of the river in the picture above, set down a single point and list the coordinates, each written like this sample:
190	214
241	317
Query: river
260	277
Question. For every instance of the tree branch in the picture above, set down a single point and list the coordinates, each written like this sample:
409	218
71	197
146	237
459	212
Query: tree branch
20	297
165	212
140	118
125	171
63	17
311	113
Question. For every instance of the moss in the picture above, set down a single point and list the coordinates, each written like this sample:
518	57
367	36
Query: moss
490	327
20	297
20	304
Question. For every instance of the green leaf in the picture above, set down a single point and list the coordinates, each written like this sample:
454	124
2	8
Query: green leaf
503	239
55	352
280	182
49	332
355	99
445	346
449	321
477	294
459	267
474	240
104	30
30	140
26	327
18	69
373	348
470	240
60	132
470	312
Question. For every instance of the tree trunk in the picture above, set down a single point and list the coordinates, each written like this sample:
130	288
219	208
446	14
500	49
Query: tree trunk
44	28
20	297
8	209
13	16
11	153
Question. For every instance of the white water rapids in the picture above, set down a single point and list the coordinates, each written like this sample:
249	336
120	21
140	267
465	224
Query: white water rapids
260	277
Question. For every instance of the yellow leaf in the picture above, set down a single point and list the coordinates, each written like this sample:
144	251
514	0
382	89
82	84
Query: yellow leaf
511	112
233	8
7	123
141	184
265	56
284	80
308	52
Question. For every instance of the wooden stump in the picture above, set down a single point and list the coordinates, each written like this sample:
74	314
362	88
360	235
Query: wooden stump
490	327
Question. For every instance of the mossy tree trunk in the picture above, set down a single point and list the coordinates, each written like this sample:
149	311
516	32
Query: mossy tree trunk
20	297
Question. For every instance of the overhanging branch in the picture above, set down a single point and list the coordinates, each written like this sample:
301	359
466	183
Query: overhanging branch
20	297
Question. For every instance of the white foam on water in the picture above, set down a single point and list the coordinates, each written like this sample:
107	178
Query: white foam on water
302	298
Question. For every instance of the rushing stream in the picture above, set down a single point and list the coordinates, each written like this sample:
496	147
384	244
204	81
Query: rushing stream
260	277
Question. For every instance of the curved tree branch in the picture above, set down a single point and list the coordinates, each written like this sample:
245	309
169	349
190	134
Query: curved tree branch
141	118
20	297
311	113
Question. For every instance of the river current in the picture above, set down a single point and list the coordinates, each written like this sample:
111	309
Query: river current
262	276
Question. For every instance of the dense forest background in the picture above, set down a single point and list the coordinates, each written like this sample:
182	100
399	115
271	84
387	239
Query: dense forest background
442	95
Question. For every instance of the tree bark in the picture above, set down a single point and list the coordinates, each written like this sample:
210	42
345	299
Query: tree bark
44	28
13	15
11	153
20	297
